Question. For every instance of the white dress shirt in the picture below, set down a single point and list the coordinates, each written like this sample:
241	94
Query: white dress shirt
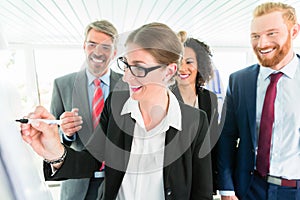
285	144
144	174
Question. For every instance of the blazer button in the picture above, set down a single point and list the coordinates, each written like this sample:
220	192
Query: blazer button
251	173
169	192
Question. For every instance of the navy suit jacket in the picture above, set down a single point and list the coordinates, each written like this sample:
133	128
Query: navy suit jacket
236	153
236	146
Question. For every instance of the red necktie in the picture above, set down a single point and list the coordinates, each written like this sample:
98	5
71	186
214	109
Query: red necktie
266	125
97	104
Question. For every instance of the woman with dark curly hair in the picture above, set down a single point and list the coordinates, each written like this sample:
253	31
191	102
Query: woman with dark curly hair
195	71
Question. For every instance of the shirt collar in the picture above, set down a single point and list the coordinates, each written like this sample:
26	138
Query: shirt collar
289	70
104	79
174	120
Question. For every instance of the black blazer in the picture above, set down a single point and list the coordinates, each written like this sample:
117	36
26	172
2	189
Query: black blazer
187	165
208	102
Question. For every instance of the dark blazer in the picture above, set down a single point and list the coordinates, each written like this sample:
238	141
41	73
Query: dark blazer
208	102
236	160
70	91
236	146
187	172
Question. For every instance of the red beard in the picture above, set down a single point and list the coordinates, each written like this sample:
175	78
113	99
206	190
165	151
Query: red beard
280	54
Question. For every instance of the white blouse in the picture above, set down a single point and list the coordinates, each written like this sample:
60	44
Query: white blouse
144	174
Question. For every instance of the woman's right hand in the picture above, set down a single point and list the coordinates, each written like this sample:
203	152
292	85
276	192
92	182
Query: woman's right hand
42	137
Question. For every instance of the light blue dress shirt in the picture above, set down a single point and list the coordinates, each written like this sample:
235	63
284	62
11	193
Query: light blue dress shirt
285	144
105	83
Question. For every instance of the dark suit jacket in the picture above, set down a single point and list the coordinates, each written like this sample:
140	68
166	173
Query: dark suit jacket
70	91
187	172
236	164
208	102
236	159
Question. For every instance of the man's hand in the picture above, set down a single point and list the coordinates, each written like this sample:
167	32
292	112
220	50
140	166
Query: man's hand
71	122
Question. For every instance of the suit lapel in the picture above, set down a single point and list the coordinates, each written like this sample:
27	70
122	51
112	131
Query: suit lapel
122	138
114	78
80	100
116	83
128	128
176	92
171	133
250	95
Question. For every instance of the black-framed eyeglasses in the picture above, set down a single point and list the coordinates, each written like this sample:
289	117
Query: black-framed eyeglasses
136	71
103	47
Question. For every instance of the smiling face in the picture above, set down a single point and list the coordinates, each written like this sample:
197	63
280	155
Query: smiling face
154	83
271	40
188	70
99	50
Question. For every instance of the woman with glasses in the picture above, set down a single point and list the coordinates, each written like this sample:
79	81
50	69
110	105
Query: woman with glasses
152	146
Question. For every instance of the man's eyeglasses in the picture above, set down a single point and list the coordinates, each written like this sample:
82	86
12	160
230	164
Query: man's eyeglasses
103	47
136	71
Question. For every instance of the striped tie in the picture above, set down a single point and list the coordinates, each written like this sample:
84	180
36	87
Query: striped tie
97	104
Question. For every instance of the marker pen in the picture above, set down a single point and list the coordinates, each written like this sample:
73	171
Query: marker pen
48	121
